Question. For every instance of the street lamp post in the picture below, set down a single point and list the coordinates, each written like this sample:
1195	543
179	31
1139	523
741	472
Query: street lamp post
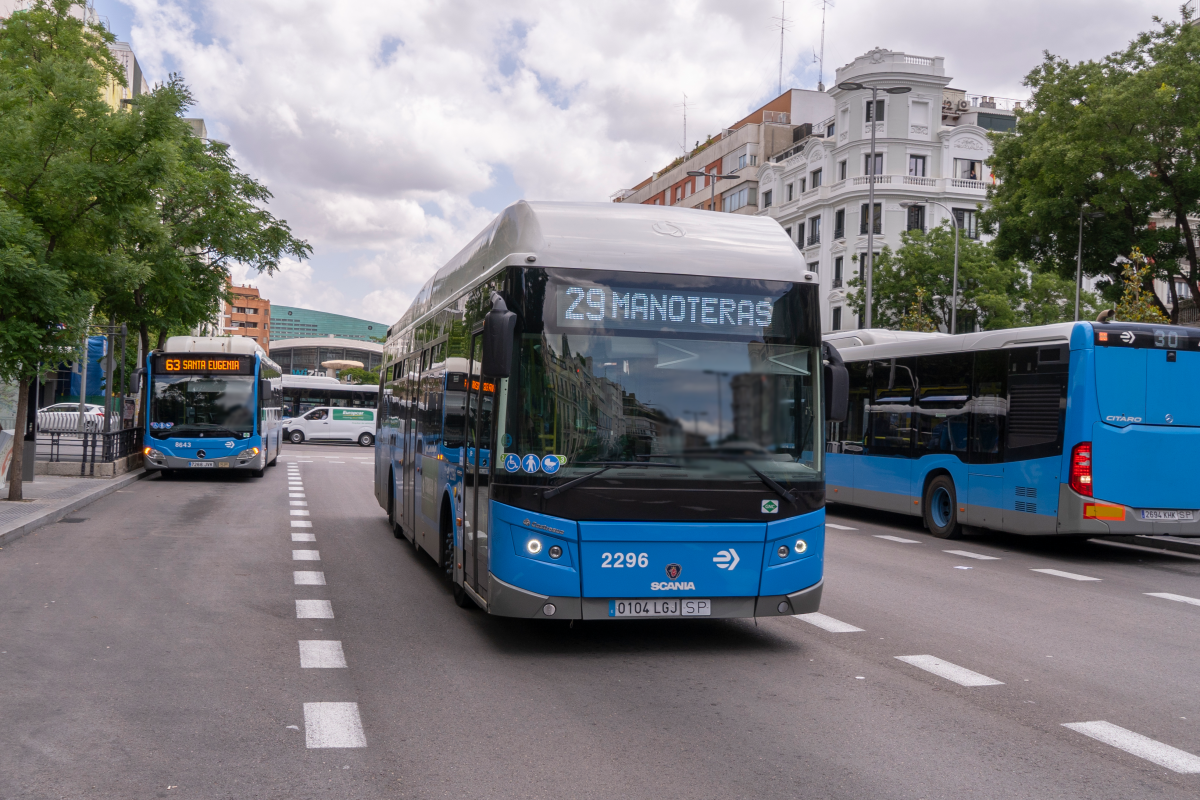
1079	254
869	267
954	289
715	177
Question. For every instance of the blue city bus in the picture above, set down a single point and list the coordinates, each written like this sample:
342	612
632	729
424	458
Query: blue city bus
213	402
598	411
1076	429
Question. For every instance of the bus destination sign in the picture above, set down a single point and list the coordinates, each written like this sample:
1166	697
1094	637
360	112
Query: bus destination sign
202	364
633	309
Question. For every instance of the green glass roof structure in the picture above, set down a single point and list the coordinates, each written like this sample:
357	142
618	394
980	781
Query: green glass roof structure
288	322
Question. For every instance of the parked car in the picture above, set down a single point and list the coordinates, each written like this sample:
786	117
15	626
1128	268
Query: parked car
333	424
65	417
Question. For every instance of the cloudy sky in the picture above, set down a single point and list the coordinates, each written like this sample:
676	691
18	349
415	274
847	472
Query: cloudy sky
392	131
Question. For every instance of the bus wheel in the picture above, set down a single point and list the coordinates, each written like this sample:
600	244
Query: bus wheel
941	508
166	474
295	437
396	529
461	598
258	473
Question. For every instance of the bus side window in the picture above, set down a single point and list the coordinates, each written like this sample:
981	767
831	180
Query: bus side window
854	429
1037	403
943	390
893	397
989	405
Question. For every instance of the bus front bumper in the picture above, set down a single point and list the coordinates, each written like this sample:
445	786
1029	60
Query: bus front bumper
506	600
222	461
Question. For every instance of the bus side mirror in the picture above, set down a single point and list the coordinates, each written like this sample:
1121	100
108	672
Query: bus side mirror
135	380
837	384
499	326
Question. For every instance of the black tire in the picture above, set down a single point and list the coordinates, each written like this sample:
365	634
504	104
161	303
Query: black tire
258	473
941	508
296	437
366	440
275	461
166	474
397	531
446	541
461	598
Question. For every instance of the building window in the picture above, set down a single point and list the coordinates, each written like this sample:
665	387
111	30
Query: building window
788	231
814	267
878	115
745	159
814	231
837	273
862	220
878	164
967	222
766	197
916	218
740	199
842	170
839	224
829	130
968	170
836	322
816	178
789	191
803	185
916	166
800	234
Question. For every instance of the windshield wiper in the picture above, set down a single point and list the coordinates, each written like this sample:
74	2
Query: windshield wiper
210	427
774	485
604	467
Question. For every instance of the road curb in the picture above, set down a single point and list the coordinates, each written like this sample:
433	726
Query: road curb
1169	543
53	515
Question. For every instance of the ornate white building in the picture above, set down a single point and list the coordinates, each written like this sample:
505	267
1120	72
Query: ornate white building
931	145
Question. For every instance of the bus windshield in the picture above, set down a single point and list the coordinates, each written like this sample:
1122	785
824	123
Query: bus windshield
200	406
715	383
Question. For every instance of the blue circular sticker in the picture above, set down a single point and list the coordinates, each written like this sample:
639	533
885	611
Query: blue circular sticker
507	440
512	463
531	463
550	464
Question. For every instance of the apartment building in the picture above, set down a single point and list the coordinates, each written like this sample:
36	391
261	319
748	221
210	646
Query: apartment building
931	148
248	315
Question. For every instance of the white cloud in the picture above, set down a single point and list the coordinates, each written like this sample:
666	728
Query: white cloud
375	122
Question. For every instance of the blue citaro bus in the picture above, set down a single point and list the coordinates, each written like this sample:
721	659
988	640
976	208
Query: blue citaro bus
595	411
212	403
1071	429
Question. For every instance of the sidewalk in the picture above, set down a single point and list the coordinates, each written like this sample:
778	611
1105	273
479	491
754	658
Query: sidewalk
53	498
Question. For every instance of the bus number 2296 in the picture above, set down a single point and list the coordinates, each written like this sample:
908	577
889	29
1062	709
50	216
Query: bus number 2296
618	560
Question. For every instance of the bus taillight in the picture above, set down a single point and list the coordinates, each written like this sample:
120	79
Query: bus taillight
1081	468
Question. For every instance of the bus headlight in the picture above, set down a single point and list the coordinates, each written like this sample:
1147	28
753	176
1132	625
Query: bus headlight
253	451
556	552
150	452
800	546
783	551
534	546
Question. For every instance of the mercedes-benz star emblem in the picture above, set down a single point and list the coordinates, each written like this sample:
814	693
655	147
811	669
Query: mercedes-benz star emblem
668	229
673	571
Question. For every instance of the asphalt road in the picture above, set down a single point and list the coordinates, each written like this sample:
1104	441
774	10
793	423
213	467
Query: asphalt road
153	648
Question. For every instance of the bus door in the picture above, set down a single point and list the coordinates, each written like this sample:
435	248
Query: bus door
883	477
429	440
409	427
985	451
477	472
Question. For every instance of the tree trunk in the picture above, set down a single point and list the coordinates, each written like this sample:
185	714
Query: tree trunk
144	338
1189	237
17	469
1174	295
162	338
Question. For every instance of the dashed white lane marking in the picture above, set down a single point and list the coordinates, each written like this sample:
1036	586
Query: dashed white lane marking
1059	573
321	654
314	609
337	462
296	494
333	725
969	554
951	672
304	537
299	512
1179	598
308	578
301	523
827	623
297	502
839	527
306	555
303	461
896	539
1164	755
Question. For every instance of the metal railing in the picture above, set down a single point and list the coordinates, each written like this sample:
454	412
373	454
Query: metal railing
88	448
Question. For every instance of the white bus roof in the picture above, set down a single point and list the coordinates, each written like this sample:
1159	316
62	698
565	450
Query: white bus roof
325	382
214	344
615	236
868	343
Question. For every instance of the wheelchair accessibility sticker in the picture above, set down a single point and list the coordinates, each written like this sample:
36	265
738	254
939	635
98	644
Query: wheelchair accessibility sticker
512	463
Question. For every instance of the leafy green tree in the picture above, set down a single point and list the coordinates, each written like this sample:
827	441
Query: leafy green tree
1135	305
1121	135
360	376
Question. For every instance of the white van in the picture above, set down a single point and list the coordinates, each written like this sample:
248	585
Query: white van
338	424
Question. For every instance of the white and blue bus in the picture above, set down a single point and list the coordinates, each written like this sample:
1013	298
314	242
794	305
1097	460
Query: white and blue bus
1078	429
597	411
213	402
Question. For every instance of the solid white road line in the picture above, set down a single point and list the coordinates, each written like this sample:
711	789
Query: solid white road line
969	554
308	578
839	527
306	555
304	537
1179	598
1061	574
297	503
827	623
333	725
951	672
1141	746
299	512
896	539
301	523
314	609
321	654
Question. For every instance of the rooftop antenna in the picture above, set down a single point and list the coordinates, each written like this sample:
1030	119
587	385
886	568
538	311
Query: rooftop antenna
825	4
684	106
781	22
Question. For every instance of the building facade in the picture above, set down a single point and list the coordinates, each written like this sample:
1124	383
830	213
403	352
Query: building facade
304	356
931	148
289	322
248	315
